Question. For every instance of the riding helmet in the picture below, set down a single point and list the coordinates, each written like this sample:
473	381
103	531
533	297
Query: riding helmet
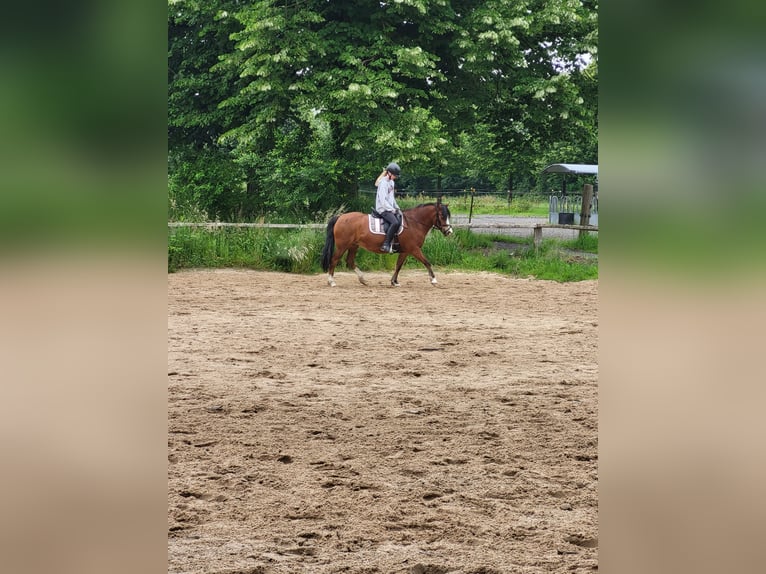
394	168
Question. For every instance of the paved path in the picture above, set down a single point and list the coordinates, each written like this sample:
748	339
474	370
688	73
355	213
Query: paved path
511	219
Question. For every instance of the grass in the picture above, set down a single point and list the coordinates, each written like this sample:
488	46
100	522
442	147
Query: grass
298	251
484	252
587	243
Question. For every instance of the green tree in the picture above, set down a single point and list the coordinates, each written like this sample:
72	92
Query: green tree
544	106
300	100
351	72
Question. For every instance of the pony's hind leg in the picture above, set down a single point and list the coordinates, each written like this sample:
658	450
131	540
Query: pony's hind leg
399	263
350	261
331	271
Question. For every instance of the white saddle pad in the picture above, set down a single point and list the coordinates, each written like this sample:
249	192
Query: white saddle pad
376	225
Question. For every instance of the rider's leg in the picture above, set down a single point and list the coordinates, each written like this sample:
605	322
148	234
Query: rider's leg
393	227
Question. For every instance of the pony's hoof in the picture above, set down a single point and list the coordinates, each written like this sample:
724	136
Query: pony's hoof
394	284
433	281
331	283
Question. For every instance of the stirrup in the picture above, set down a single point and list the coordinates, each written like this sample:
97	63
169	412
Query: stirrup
386	248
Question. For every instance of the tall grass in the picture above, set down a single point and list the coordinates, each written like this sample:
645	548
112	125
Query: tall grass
294	251
587	242
298	251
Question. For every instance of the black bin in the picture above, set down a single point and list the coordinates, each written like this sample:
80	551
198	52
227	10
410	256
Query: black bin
566	218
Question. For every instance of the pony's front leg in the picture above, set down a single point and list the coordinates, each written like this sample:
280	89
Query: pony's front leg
399	263
418	254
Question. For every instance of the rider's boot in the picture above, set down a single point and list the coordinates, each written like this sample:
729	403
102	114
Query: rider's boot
387	244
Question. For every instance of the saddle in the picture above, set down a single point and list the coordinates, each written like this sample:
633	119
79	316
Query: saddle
378	225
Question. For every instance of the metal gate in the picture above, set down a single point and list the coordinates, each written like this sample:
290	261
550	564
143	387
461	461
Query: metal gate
566	209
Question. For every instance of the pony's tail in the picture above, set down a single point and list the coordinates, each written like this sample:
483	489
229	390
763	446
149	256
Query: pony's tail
329	244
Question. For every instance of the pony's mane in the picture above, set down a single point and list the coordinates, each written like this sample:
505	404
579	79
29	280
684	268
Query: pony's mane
444	205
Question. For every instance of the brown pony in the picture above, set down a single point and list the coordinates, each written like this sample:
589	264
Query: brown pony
350	231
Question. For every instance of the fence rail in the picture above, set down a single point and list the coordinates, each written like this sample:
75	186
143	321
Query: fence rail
219	224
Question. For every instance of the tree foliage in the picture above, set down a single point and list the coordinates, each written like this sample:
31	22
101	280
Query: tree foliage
281	107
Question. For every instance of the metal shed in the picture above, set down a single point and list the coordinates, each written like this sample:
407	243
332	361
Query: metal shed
565	208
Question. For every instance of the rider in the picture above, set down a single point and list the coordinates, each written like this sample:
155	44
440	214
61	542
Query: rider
385	203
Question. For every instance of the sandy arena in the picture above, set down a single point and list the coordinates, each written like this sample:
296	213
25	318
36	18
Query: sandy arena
418	430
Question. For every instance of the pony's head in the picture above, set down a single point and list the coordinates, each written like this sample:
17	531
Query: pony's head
443	217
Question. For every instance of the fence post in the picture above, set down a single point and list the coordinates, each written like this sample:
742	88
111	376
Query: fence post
470	213
587	197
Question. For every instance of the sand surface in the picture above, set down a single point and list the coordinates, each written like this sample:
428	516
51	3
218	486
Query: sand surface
423	429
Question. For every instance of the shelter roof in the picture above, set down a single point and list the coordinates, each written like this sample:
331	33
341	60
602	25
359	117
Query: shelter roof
578	168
